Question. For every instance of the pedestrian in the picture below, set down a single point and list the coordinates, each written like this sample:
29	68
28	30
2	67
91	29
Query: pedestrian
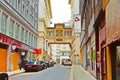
24	61
20	64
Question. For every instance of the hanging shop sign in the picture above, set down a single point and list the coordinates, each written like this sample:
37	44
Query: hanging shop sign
77	24
37	51
46	45
13	47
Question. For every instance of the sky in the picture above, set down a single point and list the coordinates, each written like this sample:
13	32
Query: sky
60	11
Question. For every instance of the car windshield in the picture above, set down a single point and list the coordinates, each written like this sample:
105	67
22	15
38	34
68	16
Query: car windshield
31	62
41	62
68	60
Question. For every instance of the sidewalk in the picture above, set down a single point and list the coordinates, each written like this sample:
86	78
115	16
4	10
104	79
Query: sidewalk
15	72
79	73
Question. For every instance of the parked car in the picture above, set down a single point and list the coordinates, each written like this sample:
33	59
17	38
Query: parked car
43	64
49	63
32	66
67	62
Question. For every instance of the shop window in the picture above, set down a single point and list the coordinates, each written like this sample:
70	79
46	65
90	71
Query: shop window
118	63
93	59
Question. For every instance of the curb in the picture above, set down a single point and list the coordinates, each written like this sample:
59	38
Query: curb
15	72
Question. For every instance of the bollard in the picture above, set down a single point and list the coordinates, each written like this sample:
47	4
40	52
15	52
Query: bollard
3	76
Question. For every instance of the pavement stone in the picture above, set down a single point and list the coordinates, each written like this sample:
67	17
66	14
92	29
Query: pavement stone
79	73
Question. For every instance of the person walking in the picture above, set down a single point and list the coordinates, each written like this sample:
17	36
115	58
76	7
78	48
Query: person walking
20	64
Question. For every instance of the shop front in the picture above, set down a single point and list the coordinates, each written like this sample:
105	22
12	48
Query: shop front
114	50
14	60
3	57
91	55
113	39
9	53
88	60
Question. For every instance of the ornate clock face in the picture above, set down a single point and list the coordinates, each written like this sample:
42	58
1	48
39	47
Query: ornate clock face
59	33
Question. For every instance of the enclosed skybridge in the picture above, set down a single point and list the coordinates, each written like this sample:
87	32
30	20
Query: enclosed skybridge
59	34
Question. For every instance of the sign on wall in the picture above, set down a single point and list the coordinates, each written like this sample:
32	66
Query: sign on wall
77	24
46	45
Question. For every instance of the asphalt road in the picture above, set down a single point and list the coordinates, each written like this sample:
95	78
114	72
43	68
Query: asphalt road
58	72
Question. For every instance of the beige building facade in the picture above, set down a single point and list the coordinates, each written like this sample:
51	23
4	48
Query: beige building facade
45	14
75	19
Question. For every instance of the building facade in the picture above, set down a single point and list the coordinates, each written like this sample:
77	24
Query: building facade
76	30
45	14
102	42
18	31
111	50
90	37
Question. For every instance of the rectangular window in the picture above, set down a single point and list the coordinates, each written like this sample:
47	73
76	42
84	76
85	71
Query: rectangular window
29	38
67	33
19	5
36	42
32	40
11	28
26	32
50	33
22	34
4	22
23	10
17	31
27	9
15	4
10	1
31	13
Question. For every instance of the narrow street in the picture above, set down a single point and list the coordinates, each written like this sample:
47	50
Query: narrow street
58	72
36	34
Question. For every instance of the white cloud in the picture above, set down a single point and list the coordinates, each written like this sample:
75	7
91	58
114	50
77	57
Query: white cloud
61	11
